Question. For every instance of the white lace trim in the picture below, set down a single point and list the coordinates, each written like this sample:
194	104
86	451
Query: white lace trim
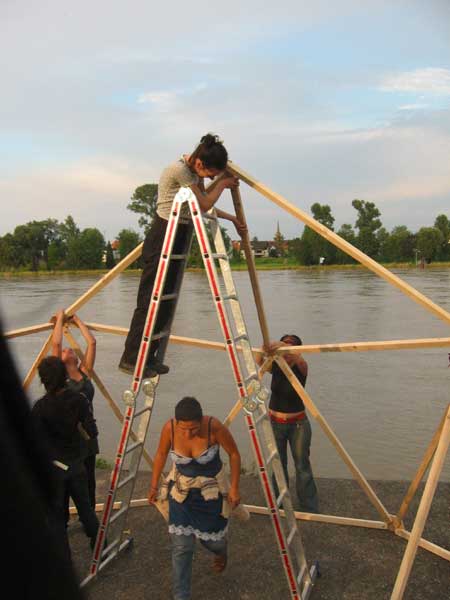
201	535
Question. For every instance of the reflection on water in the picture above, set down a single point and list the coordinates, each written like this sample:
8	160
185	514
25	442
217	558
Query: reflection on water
384	406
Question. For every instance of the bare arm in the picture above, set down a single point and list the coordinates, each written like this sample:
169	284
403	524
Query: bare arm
57	334
89	357
226	440
159	461
207	200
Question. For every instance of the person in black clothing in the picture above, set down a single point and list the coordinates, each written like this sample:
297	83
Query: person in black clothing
79	380
33	563
290	423
65	418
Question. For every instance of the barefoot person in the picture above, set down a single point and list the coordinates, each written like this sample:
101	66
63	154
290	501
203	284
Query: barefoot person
208	160
199	498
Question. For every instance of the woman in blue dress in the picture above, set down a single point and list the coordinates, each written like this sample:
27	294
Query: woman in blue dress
199	494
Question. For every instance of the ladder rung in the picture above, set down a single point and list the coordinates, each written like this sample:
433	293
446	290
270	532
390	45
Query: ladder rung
132	447
300	575
251	377
230	297
158	336
110	546
273	454
118	514
126	480
138	413
178	256
281	497
210	217
221	256
243	336
169	297
290	537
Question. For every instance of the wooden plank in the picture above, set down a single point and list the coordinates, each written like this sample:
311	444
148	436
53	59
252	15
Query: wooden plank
315	413
429	453
32	372
15	333
100	505
422	512
340	243
368	346
245	244
107	278
101	386
425	544
319	518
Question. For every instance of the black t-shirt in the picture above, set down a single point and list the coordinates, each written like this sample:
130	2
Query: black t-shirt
86	387
58	416
284	398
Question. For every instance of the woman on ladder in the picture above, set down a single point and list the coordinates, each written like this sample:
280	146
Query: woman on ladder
199	496
208	160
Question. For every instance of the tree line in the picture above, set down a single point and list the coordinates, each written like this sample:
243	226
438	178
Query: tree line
52	245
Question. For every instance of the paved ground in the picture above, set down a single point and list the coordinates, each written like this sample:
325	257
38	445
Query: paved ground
356	563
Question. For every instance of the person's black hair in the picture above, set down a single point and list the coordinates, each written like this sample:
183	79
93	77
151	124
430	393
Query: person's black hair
297	340
188	409
53	374
211	152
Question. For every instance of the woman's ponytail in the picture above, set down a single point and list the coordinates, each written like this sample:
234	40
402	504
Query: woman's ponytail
211	152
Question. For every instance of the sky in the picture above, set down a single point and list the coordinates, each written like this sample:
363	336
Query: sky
322	101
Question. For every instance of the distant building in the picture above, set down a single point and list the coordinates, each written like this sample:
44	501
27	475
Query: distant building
115	249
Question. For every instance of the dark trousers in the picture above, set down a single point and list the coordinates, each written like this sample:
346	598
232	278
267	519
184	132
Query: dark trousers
74	483
151	253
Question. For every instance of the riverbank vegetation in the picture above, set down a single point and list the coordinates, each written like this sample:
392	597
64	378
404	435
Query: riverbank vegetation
52	246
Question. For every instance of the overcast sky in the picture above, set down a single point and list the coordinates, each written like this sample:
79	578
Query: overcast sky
322	101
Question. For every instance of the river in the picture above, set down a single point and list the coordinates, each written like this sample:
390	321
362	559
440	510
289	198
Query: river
384	406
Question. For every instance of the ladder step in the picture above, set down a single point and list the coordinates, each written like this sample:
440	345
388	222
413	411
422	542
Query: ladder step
178	256
221	256
110	546
230	297
132	447
243	336
273	454
118	514
126	480
138	413
209	217
169	297
300	575
281	498
158	336
291	535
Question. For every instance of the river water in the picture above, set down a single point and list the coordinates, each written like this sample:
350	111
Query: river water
384	406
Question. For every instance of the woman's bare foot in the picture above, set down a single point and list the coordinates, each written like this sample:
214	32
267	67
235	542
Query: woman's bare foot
219	563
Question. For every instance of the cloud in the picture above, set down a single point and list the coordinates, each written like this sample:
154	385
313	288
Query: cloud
431	80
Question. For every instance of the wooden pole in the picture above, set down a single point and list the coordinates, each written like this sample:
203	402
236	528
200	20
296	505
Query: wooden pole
309	404
28	330
429	453
245	243
423	510
32	372
101	283
114	407
340	243
425	544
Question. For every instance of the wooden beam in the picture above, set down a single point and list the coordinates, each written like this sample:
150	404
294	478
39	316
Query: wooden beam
429	453
32	372
425	544
340	243
28	330
101	283
101	386
319	518
367	346
422	512
315	413
245	244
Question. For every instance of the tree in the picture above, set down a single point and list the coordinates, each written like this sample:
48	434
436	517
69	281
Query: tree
400	245
143	202
92	247
367	224
348	234
443	224
128	240
313	246
109	259
429	242
382	236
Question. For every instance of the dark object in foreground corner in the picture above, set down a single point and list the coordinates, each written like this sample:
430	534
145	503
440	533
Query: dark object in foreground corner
33	564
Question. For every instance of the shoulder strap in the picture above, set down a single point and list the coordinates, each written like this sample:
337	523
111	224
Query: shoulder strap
171	439
209	431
